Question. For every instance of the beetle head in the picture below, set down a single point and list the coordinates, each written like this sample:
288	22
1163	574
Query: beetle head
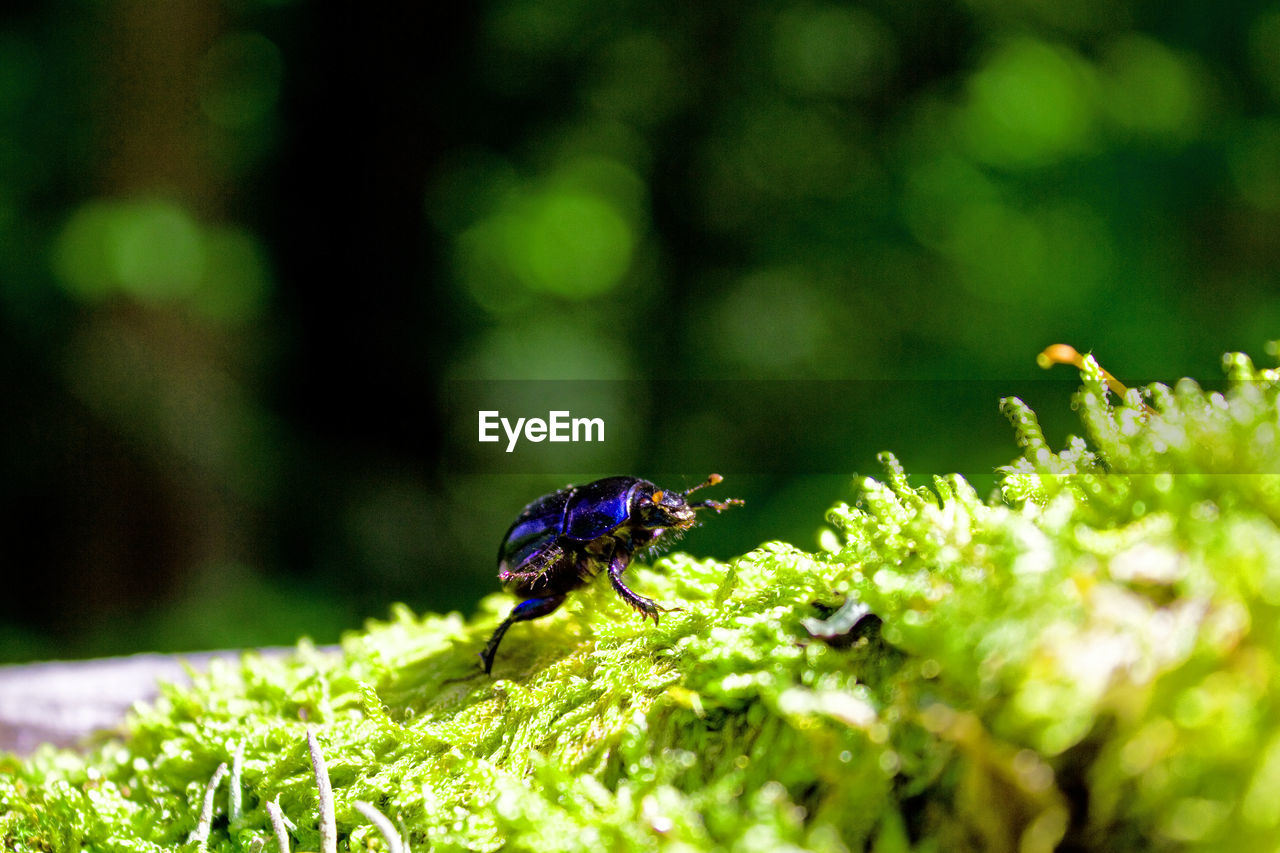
659	508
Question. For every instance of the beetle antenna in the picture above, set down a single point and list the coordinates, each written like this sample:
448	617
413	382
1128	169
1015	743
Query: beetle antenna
710	481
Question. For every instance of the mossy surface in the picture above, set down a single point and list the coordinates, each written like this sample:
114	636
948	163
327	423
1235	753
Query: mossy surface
1087	658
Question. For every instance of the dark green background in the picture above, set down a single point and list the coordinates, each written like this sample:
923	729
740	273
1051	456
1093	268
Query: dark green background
248	245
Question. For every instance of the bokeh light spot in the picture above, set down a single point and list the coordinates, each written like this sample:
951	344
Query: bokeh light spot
536	26
151	250
19	73
1264	50
999	251
936	190
571	244
604	177
1254	159
543	346
156	251
81	259
774	323
1151	90
484	268
1030	105
469	183
1081	254
638	80
789	152
1055	257
833	50
240	78
572	233
236	281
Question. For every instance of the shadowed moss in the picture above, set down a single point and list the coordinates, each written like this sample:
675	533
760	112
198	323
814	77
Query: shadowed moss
1088	656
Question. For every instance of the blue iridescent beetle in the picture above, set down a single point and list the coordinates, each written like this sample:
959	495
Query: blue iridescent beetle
563	540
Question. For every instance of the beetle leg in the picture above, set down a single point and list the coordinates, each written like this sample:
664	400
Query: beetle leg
524	611
647	607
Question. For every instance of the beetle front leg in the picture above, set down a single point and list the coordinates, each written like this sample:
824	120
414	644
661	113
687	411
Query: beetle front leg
522	612
647	607
718	506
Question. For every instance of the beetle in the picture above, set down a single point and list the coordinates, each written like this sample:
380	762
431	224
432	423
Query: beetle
561	541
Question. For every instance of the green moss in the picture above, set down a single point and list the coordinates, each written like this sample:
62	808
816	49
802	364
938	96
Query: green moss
1089	656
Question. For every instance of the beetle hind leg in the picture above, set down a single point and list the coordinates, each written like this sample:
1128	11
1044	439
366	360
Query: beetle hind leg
524	611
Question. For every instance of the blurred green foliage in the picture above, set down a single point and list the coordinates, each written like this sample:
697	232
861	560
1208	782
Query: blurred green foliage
246	244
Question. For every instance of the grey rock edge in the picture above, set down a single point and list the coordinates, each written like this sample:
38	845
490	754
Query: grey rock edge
62	702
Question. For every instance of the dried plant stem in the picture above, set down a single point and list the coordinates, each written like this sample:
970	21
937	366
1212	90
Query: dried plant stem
328	823
234	801
201	833
384	825
277	823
